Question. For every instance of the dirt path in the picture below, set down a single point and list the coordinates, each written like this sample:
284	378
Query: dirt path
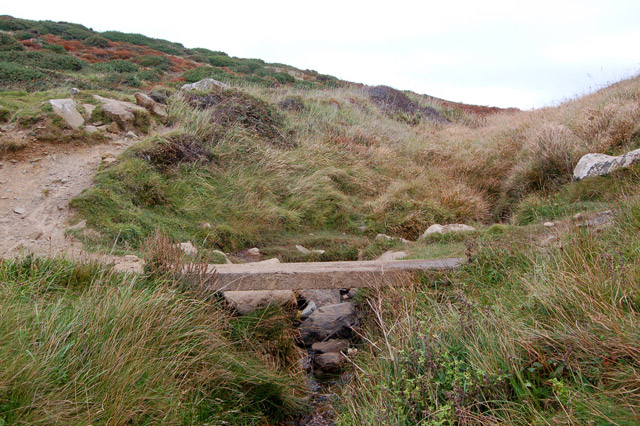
36	185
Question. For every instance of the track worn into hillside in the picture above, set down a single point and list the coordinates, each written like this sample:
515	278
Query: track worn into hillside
36	185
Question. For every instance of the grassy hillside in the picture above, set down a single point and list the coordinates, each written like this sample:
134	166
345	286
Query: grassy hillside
540	328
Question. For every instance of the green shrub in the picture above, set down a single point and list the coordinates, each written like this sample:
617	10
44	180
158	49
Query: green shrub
9	23
118	65
220	61
8	43
200	73
141	40
284	77
159	63
45	60
15	73
55	48
148	75
96	41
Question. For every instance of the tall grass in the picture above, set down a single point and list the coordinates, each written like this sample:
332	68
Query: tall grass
79	345
522	335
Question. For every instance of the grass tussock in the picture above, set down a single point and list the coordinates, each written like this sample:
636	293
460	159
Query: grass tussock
83	346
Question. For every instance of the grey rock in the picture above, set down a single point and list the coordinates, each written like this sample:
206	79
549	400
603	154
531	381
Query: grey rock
204	85
254	251
120	112
68	111
248	301
329	362
113	128
591	165
328	321
188	248
445	229
152	106
91	129
332	345
19	210
321	297
74	91
308	310
383	237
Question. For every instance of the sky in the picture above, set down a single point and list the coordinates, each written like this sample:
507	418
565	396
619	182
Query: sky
500	53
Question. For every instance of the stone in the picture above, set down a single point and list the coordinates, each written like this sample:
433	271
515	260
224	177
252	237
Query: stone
332	345
308	310
223	254
152	106
255	251
383	237
445	229
19	210
362	228
596	220
121	112
321	297
352	293
131	135
591	165
268	261
88	109
328	321
188	248
248	301
549	224
135	266
68	111
329	362
109	160
131	258
390	255
303	250
204	85
91	129
113	128
74	91
107	155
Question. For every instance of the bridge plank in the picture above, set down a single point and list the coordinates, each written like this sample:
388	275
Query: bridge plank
320	275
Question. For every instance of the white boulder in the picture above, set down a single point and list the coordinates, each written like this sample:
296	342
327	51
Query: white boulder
600	164
204	85
248	301
445	229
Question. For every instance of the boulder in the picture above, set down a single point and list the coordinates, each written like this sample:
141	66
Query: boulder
223	254
248	301
91	129
333	345
68	111
445	229
188	248
329	362
388	256
204	85
302	249
321	297
152	106
328	321
600	164
121	112
311	308
113	128
254	251
88	109
383	237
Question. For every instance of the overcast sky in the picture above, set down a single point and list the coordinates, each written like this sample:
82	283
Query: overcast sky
502	53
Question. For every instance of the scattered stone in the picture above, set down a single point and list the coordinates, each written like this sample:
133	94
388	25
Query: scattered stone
223	254
131	135
113	128
332	345
362	228
600	164
383	237
135	266
328	321
98	123
255	251
595	220
303	250
19	210
440	229
308	310
67	110
549	224
74	91
188	248
204	85
321	297
131	258
120	112
152	106
390	255
91	129
329	362
107	155
248	301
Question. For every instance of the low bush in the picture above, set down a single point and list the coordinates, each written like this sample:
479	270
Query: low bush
44	60
141	40
8	43
96	41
